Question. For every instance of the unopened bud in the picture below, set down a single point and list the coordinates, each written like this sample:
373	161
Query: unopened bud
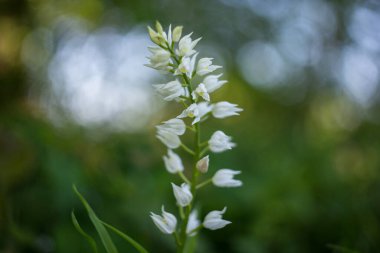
153	35
159	28
202	165
177	32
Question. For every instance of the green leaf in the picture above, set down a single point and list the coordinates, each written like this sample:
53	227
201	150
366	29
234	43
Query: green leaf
89	239
135	244
102	231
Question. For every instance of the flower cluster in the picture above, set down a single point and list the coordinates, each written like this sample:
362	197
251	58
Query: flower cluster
192	86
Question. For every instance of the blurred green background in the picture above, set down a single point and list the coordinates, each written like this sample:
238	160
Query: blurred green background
76	106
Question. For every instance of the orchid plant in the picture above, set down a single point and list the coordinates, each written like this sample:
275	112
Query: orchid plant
193	83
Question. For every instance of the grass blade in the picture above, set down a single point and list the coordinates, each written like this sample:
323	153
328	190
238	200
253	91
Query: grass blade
135	244
102	231
89	239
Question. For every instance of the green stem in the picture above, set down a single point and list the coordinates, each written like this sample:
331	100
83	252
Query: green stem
177	241
196	153
184	178
181	213
196	229
183	235
190	128
184	104
208	181
203	144
187	149
197	144
204	151
172	54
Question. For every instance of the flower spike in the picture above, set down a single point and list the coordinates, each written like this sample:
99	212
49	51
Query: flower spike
176	55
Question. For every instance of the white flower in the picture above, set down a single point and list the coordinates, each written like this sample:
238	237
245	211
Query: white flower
186	46
177	32
225	178
186	66
160	58
220	142
171	90
175	126
170	139
166	223
193	223
213	220
202	92
204	108
205	66
183	67
182	194
212	83
173	162
225	109
202	165
191	112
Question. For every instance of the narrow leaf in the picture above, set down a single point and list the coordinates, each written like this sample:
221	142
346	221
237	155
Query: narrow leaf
89	239
103	233
135	244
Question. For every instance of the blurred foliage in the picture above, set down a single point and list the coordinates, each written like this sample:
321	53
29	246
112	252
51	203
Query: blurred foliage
309	156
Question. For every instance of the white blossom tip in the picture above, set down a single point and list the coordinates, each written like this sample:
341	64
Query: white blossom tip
213	220
182	194
225	178
220	142
166	222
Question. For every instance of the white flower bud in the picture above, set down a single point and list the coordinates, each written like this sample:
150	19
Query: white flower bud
213	220
182	194
177	32
186	46
191	112
170	139
153	35
224	178
169	37
186	66
212	83
225	109
205	66
159	28
171	90
175	126
193	223
166	223
220	142
202	165
173	162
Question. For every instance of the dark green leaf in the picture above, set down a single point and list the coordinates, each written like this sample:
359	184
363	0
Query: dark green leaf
89	239
102	231
135	244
